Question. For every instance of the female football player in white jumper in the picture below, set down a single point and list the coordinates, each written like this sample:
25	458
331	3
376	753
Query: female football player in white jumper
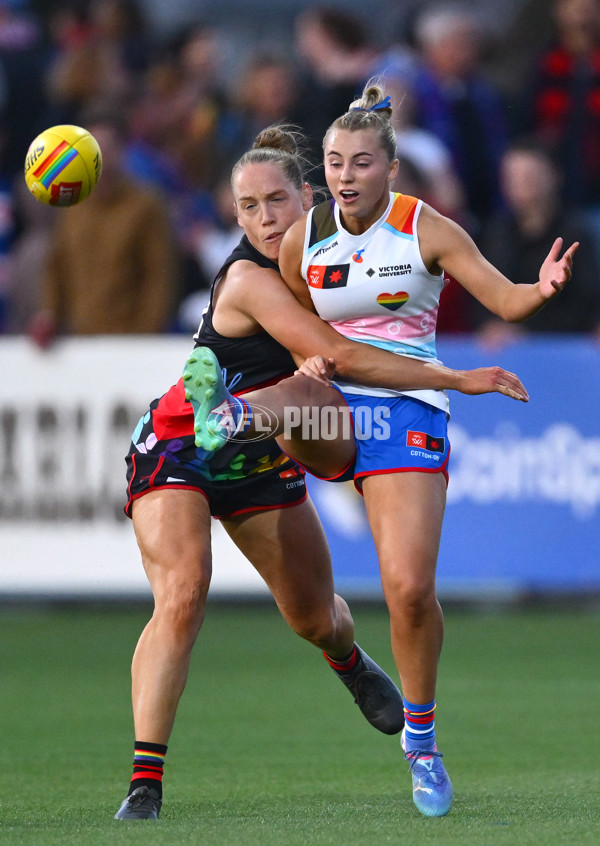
372	263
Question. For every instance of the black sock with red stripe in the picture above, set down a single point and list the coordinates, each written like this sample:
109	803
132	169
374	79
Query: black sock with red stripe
344	665
148	763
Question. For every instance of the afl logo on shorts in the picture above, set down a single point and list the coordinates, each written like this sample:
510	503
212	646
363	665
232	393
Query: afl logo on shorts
420	439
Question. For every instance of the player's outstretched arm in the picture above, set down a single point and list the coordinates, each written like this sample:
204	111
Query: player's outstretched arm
482	380
445	245
280	314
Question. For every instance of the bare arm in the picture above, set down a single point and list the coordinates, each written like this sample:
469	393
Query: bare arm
444	244
482	380
290	263
279	313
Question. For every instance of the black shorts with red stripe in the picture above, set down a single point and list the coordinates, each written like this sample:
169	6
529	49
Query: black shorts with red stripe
242	477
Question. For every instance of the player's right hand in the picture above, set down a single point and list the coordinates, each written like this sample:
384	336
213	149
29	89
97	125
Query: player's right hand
317	368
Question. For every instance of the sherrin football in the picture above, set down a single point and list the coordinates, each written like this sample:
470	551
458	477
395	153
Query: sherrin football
63	165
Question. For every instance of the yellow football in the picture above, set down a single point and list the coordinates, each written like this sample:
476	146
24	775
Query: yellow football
63	165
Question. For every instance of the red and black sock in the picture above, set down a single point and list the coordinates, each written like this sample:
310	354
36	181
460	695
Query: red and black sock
345	665
148	763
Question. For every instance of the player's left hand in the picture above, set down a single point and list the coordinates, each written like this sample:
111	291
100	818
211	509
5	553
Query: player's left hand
555	272
317	368
489	380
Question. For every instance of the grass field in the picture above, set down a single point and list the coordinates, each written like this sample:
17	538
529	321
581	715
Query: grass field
269	749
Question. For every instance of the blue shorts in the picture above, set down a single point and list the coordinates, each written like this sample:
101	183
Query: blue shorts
396	435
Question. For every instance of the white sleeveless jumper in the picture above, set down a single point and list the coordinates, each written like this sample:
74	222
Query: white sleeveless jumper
374	287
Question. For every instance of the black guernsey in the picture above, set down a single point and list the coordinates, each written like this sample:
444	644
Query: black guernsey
253	360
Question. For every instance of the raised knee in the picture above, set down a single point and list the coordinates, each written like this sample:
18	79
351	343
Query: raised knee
306	391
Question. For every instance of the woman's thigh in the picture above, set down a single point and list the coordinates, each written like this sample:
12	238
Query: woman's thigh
287	546
314	423
406	512
172	528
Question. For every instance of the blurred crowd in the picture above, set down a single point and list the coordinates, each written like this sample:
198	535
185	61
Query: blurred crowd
499	131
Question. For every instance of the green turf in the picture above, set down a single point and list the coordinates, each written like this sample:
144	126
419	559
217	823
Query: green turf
269	749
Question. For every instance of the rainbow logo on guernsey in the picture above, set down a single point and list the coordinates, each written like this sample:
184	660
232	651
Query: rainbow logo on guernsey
393	301
56	162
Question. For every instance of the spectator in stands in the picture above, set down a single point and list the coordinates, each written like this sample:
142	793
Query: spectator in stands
420	148
112	262
7	237
516	239
33	224
67	25
207	243
562	102
176	117
510	56
265	92
455	102
212	243
22	97
103	61
337	55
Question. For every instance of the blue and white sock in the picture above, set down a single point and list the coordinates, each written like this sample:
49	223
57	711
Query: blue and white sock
419	727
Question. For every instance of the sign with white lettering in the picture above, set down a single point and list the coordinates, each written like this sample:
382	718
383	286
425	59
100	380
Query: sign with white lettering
523	499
